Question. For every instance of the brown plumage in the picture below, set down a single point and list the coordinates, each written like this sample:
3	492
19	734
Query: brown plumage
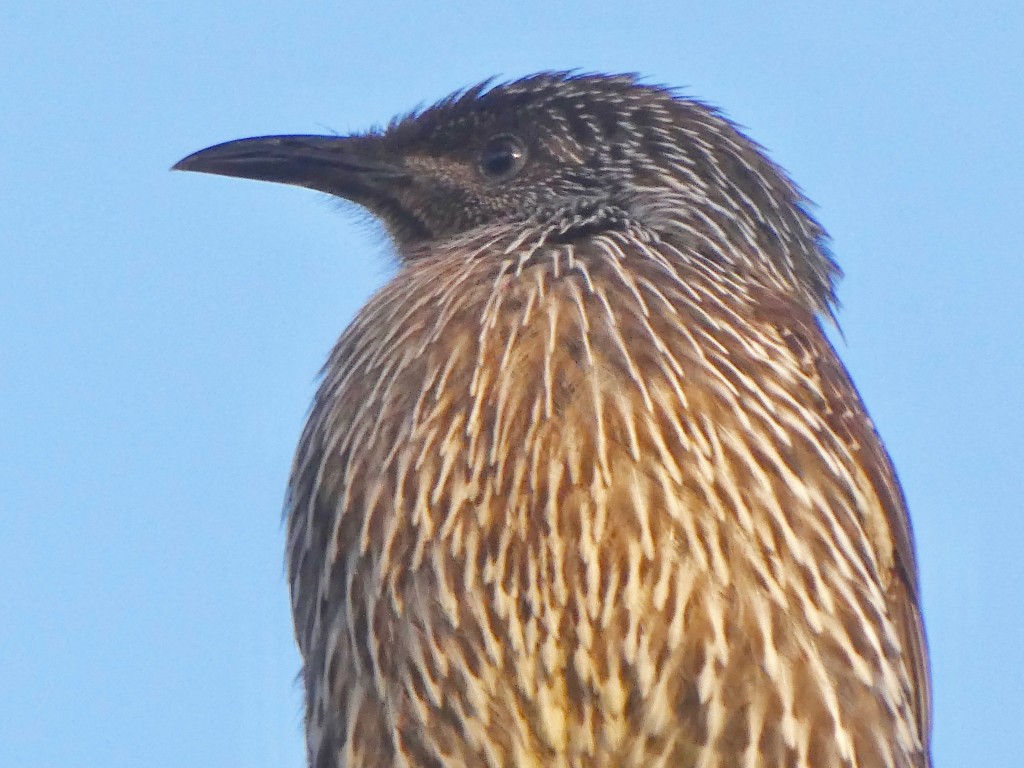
585	484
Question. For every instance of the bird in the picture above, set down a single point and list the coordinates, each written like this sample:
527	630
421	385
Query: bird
585	483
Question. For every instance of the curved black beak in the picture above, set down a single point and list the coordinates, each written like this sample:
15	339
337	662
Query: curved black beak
339	165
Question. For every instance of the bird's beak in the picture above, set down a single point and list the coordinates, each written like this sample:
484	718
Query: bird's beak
339	165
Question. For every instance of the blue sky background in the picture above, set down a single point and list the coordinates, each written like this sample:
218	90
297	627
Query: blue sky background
160	333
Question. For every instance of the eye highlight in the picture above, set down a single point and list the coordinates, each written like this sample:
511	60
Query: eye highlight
502	157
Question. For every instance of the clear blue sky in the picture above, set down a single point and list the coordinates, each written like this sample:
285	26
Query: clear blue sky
160	333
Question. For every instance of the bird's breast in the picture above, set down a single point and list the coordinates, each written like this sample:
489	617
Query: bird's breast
583	504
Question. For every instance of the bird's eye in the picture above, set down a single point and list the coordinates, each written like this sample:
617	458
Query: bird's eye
502	157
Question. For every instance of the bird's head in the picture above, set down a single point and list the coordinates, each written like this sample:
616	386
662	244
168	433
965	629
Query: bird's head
572	156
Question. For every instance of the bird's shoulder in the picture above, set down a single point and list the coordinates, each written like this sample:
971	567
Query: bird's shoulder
886	517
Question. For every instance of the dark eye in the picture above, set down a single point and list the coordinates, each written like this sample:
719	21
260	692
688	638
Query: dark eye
502	157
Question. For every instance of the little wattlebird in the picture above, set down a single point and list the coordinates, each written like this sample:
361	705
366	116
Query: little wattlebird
585	484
